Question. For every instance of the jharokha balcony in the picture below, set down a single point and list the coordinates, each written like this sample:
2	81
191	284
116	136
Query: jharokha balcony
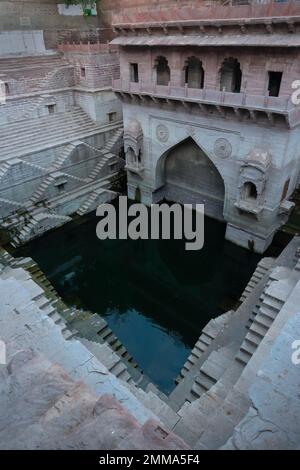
242	105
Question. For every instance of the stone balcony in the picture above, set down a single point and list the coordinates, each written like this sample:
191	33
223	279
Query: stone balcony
269	13
210	100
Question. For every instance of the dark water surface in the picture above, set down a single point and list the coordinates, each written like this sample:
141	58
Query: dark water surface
154	295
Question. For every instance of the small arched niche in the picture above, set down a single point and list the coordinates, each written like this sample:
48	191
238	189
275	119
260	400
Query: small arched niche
230	75
193	73
163	74
249	191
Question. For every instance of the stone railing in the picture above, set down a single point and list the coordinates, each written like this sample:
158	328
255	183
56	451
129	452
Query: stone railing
87	47
211	11
209	96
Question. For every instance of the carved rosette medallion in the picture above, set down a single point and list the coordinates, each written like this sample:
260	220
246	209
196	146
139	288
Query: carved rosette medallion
162	133
222	148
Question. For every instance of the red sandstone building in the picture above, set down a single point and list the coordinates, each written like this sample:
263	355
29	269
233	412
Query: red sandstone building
208	114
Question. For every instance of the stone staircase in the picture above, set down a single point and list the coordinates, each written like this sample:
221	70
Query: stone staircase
210	372
110	359
50	179
38	193
209	333
262	268
159	404
209	421
113	140
43	85
9	64
107	155
92	197
52	410
65	154
92	329
17	139
46	220
272	300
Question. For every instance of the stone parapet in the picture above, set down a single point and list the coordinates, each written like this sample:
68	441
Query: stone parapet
88	47
171	15
208	97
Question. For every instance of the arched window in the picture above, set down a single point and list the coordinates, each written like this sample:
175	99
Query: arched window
193	73
231	76
163	74
250	191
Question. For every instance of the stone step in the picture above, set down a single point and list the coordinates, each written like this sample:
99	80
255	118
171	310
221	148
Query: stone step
204	380
61	130
118	368
258	328
269	299
248	347
263	320
58	133
197	390
41	123
243	357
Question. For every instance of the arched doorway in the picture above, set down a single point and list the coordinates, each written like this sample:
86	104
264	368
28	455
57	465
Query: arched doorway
163	74
193	73
231	75
186	175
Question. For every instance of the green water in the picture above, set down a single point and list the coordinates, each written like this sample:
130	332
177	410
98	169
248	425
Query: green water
154	295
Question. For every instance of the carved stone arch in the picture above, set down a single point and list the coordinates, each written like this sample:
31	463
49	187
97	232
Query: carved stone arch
253	177
230	75
186	174
133	142
162	69
193	72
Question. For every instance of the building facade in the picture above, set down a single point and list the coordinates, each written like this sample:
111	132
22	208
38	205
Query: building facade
208	111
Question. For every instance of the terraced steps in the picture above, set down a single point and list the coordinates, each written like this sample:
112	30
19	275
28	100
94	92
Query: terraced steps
89	327
41	133
209	333
210	372
9	64
92	197
272	300
110	359
65	154
261	270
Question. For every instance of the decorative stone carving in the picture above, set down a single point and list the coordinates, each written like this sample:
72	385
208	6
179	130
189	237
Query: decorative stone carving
162	133
191	131
133	145
222	148
253	176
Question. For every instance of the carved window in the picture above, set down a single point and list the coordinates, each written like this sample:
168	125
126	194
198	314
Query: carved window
194	73
231	76
163	73
134	73
274	83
